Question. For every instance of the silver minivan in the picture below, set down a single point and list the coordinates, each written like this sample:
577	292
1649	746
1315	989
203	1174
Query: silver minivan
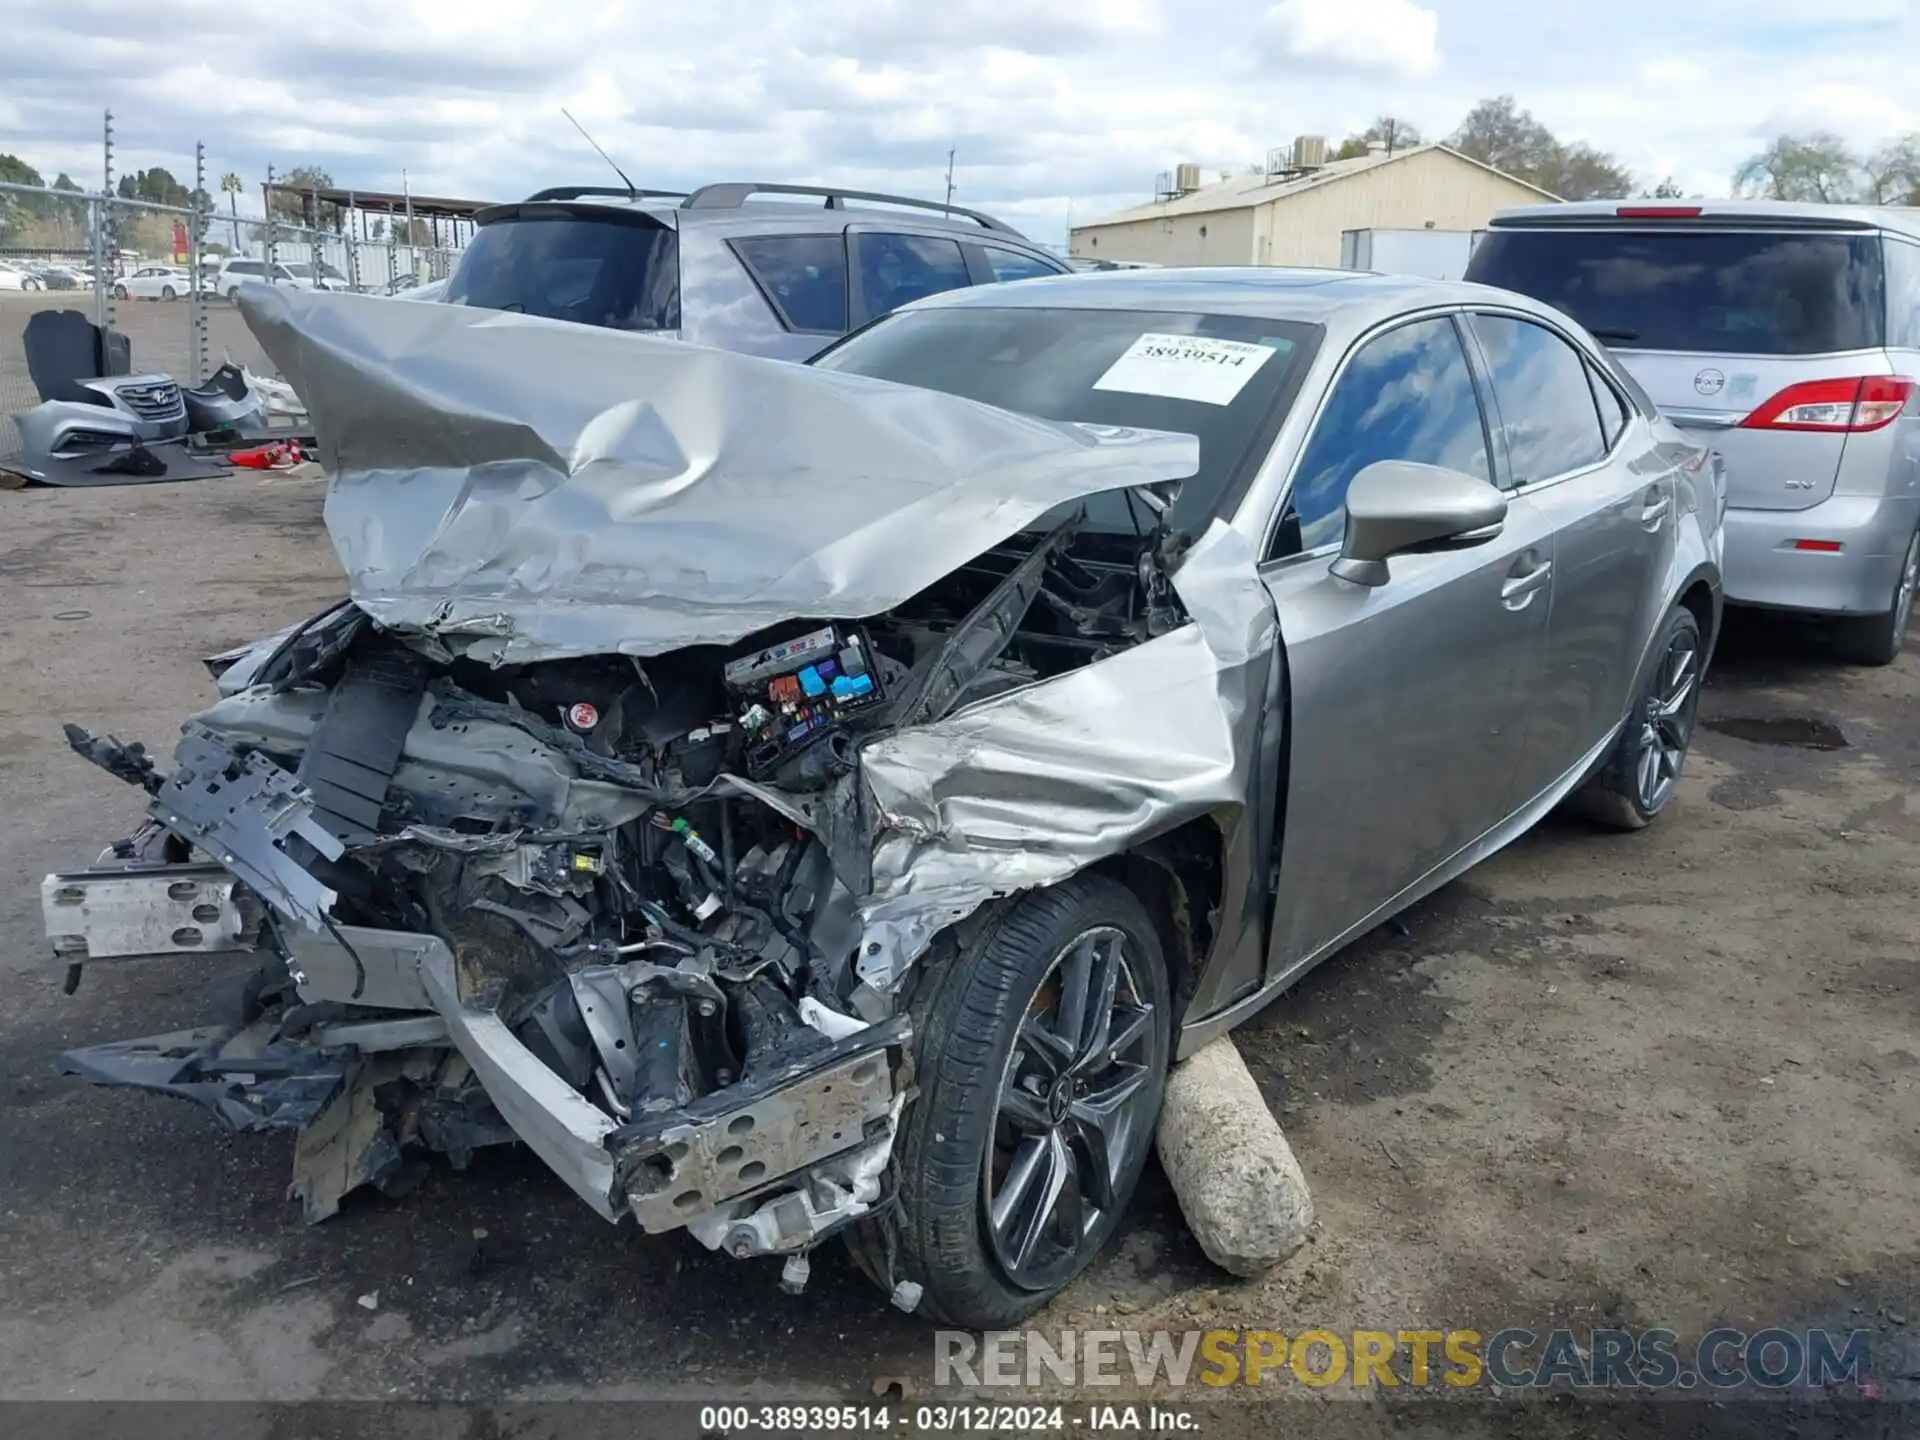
1788	337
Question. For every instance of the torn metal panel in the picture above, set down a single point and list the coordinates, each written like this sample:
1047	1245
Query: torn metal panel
143	910
687	1163
246	1077
527	489
240	809
558	1125
347	1145
1028	788
360	965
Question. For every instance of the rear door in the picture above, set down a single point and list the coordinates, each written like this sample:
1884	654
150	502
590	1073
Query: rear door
894	268
1568	438
992	264
1740	333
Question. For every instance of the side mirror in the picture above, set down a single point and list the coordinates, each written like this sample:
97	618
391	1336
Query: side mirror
1397	506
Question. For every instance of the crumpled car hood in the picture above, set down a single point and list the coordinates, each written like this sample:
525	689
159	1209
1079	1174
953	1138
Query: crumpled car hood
528	489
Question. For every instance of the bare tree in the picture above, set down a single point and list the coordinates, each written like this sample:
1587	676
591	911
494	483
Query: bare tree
1389	130
1816	166
1893	171
1499	133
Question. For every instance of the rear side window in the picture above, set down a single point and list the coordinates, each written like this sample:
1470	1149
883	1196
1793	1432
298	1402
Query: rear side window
1407	395
619	274
896	270
1542	399
804	278
1613	413
1012	265
1903	293
1715	292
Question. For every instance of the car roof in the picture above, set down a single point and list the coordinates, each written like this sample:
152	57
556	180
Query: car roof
735	203
1757	214
1344	300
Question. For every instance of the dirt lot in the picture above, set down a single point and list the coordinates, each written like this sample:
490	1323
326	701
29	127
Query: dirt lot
162	336
1657	1079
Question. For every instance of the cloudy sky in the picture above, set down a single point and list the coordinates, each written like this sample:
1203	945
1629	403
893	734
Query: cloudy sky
1056	108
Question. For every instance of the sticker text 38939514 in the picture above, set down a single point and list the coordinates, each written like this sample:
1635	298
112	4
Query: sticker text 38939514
1185	367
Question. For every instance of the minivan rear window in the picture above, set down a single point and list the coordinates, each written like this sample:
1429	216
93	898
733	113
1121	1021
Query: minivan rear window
621	274
1724	292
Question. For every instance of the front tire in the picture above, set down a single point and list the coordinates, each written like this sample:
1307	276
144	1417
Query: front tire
119	292
1879	639
1041	1061
1643	770
28	285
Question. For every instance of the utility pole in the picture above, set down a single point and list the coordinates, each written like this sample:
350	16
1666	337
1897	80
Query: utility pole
949	204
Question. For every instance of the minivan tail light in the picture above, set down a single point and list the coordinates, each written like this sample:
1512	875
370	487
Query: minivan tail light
1834	406
1658	212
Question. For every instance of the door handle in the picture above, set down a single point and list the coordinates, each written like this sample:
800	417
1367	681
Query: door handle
1655	512
1524	581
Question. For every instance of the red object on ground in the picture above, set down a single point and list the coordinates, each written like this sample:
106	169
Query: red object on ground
268	457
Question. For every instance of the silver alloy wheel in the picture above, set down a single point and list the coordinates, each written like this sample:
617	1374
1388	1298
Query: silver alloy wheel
1069	1119
1666	721
1903	597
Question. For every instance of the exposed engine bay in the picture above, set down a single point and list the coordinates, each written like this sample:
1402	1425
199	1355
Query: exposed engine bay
646	871
660	758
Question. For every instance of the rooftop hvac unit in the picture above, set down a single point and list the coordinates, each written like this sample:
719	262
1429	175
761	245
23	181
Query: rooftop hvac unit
1186	179
1309	152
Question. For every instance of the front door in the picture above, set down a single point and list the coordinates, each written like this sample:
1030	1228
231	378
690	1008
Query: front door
1408	701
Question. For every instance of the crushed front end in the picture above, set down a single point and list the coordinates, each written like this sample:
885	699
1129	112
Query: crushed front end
652	753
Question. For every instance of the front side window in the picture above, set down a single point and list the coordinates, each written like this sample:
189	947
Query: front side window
1225	379
896	270
804	278
1544	402
1407	395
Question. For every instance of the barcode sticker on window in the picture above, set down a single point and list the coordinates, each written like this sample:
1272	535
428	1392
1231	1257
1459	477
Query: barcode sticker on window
1185	367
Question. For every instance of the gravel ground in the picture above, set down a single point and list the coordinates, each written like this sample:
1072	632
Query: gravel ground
1665	1079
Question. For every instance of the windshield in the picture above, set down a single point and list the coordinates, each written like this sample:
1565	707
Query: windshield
1225	379
327	272
620	274
1725	292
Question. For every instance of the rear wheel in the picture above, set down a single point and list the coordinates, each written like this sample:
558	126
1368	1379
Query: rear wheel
29	284
1041	1062
1643	770
166	293
1879	639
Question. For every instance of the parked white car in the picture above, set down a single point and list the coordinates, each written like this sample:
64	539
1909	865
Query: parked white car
17	277
237	272
154	282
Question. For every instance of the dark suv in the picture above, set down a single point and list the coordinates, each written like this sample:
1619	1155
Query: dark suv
723	267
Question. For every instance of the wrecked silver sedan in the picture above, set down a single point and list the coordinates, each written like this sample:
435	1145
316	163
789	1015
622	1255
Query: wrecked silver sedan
799	801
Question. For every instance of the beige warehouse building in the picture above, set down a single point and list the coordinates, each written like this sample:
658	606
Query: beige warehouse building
1294	212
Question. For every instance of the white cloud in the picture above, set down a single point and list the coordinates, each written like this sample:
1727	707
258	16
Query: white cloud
1393	36
1048	106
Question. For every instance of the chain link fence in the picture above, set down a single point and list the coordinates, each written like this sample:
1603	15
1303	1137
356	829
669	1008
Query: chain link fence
164	276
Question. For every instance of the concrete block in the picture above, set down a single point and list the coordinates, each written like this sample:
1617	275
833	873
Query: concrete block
1238	1184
